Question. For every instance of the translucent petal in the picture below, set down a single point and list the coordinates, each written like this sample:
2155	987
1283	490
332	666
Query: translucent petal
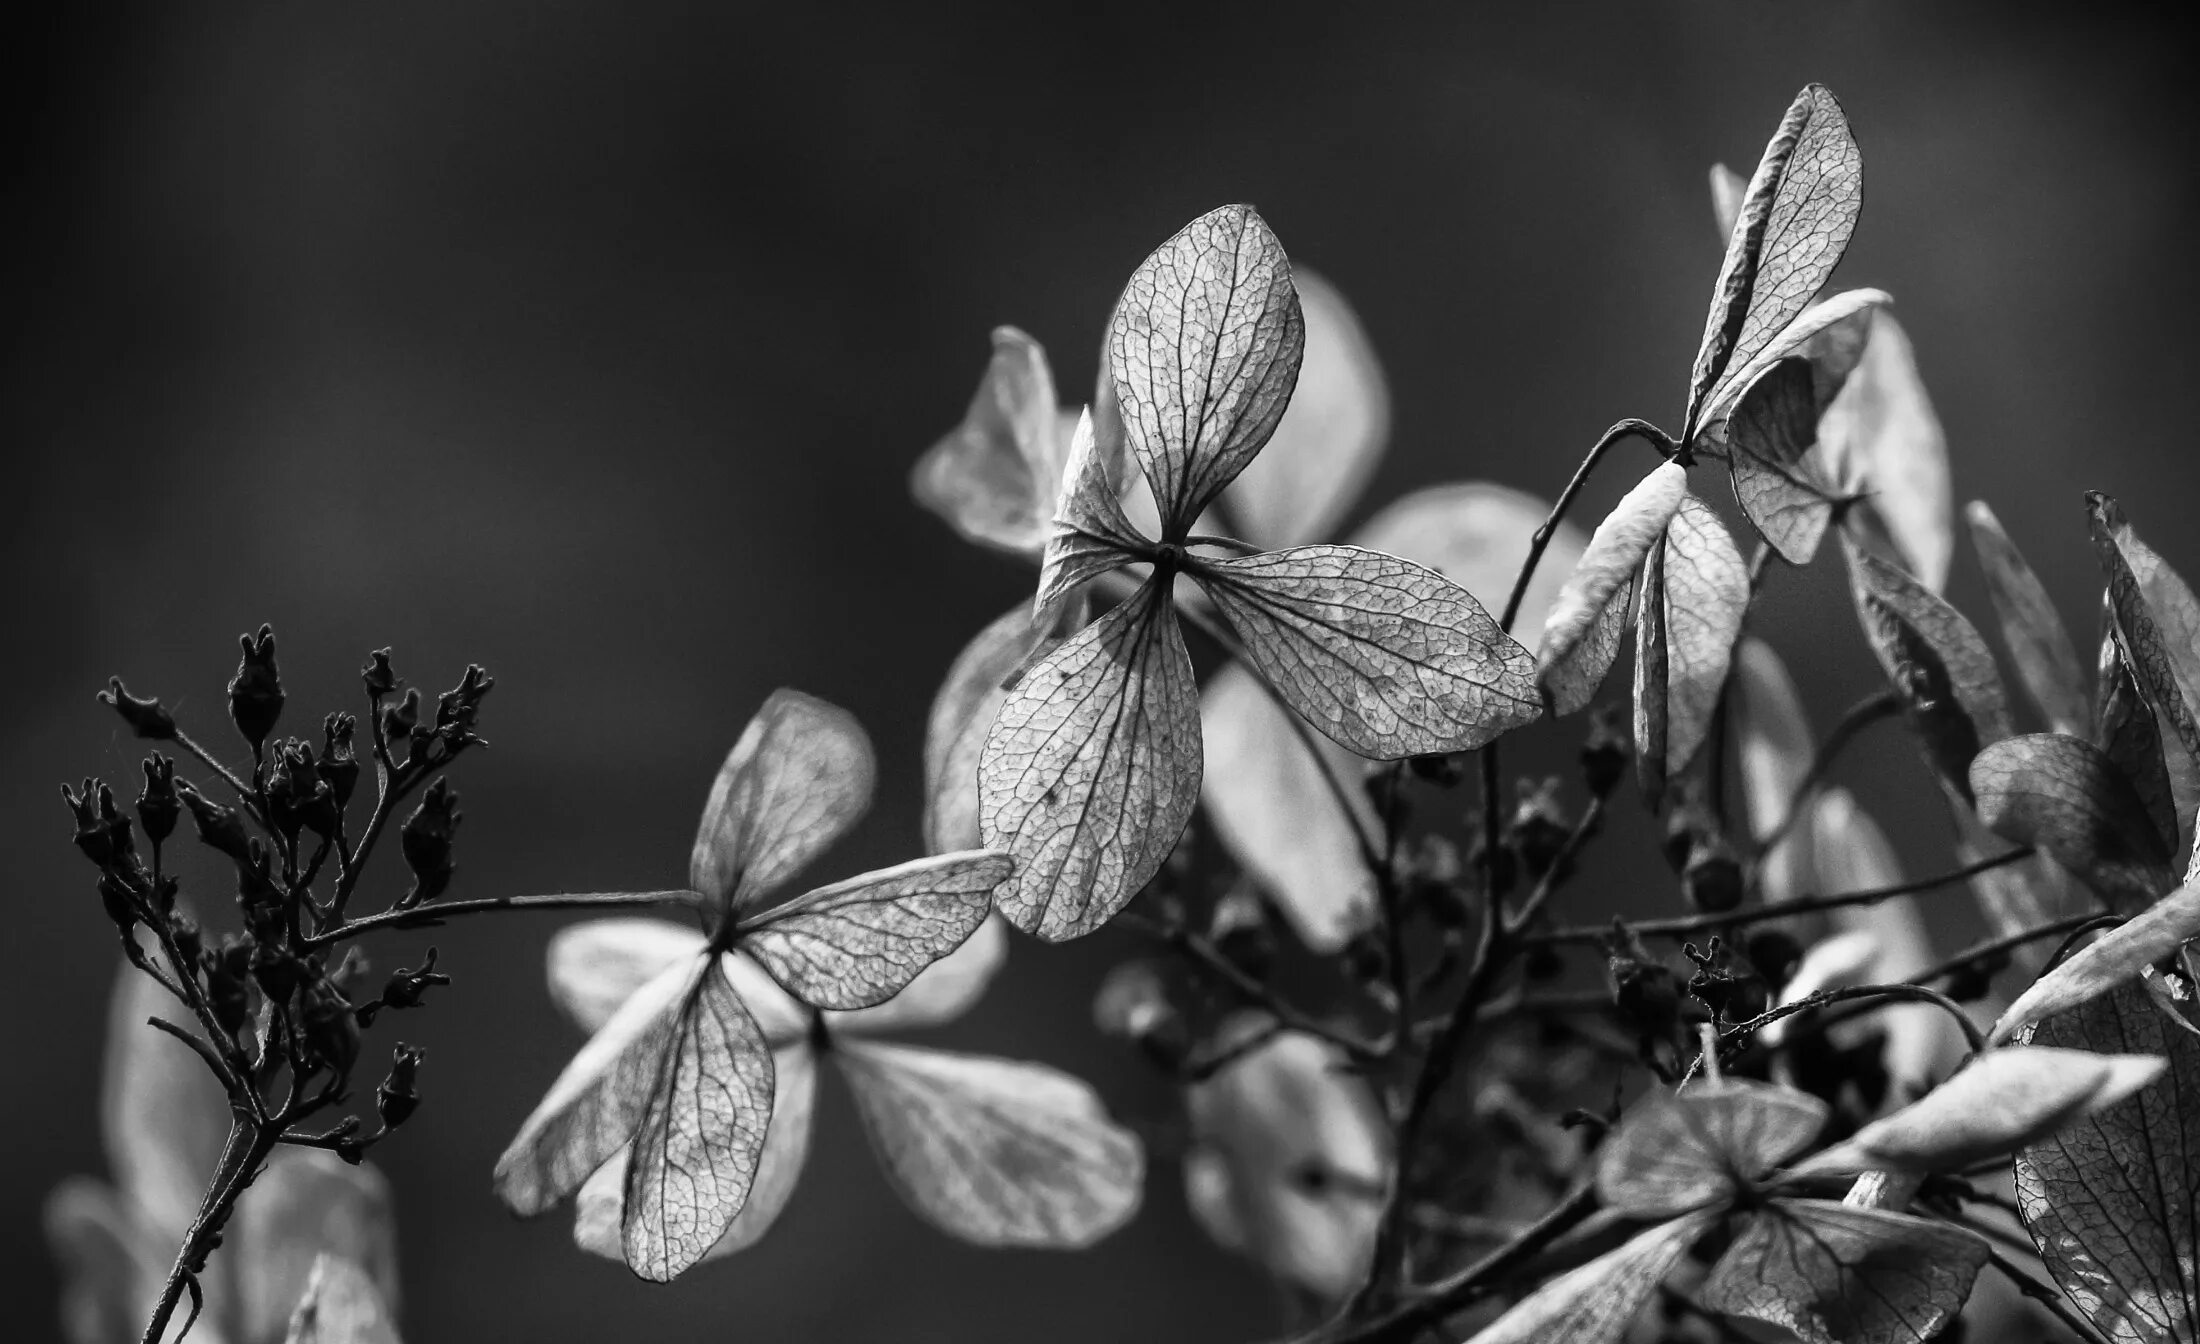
1583	630
1597	1302
800	776
1091	534
942	991
1776	477
858	943
1271	802
599	1211
2063	795
598	964
341	1305
1680	1151
592	1108
1728	190
1330	438
1774	749
1883	440
962	712
2111	1202
1205	348
2151	625
1850	853
1091	769
701	1133
994	477
1835	1274
1829	338
110	1265
1794	224
994	1151
1292	1156
1385	657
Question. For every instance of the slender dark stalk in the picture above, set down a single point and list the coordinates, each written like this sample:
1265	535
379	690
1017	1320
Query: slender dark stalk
2045	1296
1687	925
424	916
1912	993
247	1147
1252	990
1852	723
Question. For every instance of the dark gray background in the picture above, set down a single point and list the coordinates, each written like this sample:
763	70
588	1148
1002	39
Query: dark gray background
593	343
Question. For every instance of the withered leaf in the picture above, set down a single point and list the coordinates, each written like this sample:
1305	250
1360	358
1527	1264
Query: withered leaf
1205	348
996	1152
1091	535
1590	613
2110	1201
2047	662
2065	796
1091	768
1794	224
1384	656
1835	1274
2132	739
2150	642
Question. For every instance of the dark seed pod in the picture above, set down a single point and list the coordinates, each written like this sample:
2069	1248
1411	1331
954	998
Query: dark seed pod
256	692
146	717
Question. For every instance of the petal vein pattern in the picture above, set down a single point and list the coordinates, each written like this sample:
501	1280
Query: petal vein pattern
800	776
1385	657
1092	534
1091	769
997	1152
858	943
701	1134
1205	348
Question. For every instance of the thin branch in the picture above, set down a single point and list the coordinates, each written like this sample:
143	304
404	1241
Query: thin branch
1912	993
198	1046
1687	925
427	916
208	759
1252	990
1571	846
2045	1296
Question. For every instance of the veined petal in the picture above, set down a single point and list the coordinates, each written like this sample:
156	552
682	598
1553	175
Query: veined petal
598	964
1794	224
1677	1152
963	710
1777	480
1205	348
1091	769
1330	438
1882	439
592	1108
994	477
858	943
1385	657
942	991
997	1152
1590	612
1700	585
1597	1302
599	1212
1829	337
1839	1274
1091	533
701	1133
800	776
2047	662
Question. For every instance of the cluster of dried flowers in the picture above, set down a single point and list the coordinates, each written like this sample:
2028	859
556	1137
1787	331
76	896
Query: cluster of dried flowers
1392	1100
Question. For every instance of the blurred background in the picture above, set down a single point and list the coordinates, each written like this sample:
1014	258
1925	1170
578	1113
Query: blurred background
593	343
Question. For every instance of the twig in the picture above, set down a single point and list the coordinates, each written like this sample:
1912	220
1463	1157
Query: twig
1850	726
1686	925
427	916
1911	993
